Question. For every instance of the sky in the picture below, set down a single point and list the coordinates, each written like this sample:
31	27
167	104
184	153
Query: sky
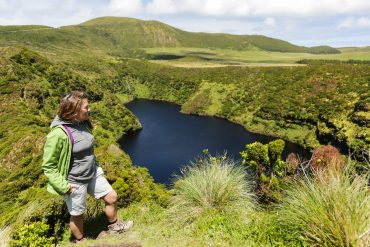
338	23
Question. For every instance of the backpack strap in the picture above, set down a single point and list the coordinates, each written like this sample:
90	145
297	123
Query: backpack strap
69	133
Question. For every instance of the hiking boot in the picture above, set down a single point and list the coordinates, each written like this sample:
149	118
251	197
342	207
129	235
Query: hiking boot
77	241
120	227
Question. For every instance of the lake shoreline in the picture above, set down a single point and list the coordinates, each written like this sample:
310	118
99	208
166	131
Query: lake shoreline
171	139
255	131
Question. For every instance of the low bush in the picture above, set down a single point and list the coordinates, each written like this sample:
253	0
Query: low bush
33	235
212	183
327	157
264	160
136	185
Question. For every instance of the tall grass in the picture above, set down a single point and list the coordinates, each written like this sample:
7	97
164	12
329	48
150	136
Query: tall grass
329	210
212	183
5	236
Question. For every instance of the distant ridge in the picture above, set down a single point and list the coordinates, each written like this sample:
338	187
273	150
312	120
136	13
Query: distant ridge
158	34
120	32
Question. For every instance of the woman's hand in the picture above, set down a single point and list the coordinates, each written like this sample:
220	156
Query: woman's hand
72	187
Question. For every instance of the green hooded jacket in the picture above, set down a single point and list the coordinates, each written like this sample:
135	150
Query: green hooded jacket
57	158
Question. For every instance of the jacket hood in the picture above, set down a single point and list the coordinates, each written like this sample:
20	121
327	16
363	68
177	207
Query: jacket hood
58	121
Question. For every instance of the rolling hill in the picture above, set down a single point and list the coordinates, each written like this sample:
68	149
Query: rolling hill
112	34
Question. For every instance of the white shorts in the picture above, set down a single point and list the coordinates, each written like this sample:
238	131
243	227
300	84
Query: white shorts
98	187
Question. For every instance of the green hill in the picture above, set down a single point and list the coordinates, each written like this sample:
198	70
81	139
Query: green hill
137	33
112	34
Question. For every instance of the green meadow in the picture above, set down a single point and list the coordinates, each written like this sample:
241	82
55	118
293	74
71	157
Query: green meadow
202	57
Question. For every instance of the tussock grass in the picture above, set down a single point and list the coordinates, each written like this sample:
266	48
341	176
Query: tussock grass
211	183
5	236
330	209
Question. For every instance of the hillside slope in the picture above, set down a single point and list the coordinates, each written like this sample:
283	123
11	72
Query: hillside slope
112	34
137	33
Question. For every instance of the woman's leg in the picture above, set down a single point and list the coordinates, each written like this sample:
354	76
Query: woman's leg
76	223
76	203
110	200
99	187
115	225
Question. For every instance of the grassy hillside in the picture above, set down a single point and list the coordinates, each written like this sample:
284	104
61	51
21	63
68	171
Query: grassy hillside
137	34
113	34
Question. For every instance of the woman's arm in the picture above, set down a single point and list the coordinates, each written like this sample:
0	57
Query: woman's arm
52	151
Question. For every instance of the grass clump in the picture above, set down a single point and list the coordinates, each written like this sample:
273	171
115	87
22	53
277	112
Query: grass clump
329	210
212	183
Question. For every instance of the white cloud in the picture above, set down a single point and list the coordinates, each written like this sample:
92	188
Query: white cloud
224	8
162	7
200	7
124	7
48	9
215	25
270	22
44	12
265	8
351	22
5	6
363	22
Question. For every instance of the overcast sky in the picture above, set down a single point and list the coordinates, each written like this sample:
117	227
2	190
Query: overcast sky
336	23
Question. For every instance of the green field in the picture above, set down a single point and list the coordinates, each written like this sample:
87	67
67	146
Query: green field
200	57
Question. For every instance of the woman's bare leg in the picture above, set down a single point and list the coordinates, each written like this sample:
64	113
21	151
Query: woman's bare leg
76	224
110	206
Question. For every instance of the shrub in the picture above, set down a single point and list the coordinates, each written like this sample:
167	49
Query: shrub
136	185
33	235
212	183
275	149
330	210
292	162
265	161
327	157
256	156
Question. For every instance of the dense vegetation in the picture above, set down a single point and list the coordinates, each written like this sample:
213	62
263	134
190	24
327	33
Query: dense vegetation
323	102
307	105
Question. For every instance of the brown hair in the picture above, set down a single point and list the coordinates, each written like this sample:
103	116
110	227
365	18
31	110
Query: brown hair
70	107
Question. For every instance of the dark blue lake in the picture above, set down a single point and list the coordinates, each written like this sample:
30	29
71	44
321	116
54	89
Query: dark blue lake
170	139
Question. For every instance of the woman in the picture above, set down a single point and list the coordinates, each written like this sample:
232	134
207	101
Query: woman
71	166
